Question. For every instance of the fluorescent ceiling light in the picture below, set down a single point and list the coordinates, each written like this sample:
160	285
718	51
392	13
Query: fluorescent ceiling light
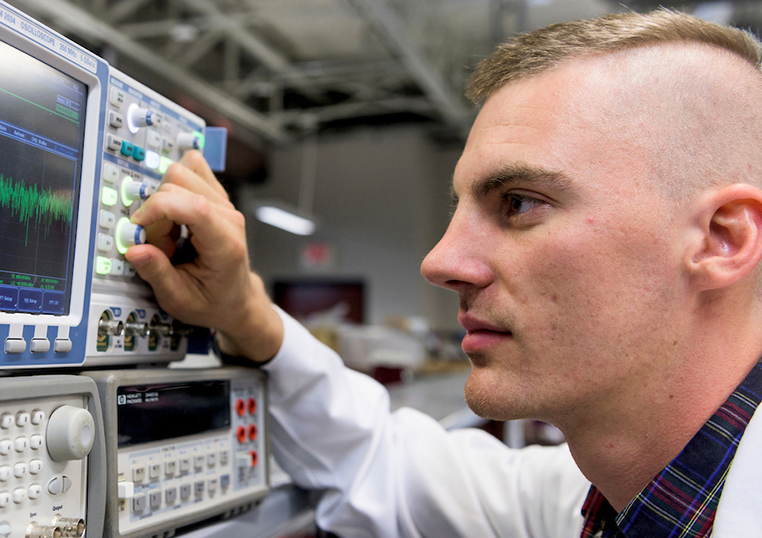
285	220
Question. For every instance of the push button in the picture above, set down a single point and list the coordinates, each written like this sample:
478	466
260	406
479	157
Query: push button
138	153
40	345
19	495
34	491
109	196
185	491
15	345
110	172
116	97
22	419
62	345
115	119
21	444
35	442
6	421
102	265
5	447
5	473
117	266
138	503
105	242
138	473
126	148
170	495
154	499
114	143
107	219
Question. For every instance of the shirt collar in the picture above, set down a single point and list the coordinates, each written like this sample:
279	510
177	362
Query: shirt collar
681	501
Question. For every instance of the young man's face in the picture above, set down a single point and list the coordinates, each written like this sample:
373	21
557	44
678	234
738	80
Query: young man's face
565	257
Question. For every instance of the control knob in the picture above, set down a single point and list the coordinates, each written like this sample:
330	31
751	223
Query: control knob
70	433
187	141
135	190
128	234
142	117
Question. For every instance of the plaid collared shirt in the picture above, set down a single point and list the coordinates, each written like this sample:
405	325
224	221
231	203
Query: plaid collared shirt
681	501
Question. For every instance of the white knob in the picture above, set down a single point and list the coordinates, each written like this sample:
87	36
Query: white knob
142	117
129	234
188	141
5	529
135	190
70	433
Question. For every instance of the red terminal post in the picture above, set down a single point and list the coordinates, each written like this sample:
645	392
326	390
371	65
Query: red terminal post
240	407
252	406
254	458
253	432
241	434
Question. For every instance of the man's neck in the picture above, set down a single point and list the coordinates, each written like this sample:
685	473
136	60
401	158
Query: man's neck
622	443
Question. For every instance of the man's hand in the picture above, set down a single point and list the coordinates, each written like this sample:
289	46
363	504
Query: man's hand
216	289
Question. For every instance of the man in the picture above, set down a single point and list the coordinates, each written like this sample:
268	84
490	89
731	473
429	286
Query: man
604	246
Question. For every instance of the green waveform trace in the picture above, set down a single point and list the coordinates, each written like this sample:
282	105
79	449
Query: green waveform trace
36	207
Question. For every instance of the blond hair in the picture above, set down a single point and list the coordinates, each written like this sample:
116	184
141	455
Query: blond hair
539	51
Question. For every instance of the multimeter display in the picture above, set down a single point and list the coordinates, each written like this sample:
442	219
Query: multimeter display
159	412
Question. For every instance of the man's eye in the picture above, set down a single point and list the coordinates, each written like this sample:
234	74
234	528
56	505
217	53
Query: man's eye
516	204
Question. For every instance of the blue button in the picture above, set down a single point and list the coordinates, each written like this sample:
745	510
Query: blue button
138	153
53	302
30	300
9	298
126	149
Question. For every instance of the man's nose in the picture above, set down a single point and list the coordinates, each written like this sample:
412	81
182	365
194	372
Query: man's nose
459	260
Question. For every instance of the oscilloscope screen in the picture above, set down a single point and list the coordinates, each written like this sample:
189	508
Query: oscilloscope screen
42	119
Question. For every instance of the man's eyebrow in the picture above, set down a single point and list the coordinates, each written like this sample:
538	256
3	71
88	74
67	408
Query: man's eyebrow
520	174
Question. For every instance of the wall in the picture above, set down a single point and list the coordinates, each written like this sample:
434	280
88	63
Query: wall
383	201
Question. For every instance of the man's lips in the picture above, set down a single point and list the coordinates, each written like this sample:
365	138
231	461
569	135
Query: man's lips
481	334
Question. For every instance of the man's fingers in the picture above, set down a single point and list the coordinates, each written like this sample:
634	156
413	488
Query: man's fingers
153	266
194	162
214	228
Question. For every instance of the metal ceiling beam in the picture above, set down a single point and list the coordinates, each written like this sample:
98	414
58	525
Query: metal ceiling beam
389	26
235	30
74	19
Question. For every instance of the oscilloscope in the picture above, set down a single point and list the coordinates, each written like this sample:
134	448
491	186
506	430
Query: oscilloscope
81	145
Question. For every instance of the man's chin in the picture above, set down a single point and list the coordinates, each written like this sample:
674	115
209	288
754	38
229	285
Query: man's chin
490	400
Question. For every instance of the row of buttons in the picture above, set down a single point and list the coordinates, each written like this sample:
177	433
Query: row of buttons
20	470
39	345
20	444
21	418
154	498
171	466
56	486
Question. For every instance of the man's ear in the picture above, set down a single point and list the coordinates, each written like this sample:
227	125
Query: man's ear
730	221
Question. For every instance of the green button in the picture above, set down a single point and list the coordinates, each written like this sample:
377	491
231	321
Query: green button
102	265
164	163
127	148
109	196
138	153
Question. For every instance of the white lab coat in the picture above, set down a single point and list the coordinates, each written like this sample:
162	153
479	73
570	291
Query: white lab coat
401	475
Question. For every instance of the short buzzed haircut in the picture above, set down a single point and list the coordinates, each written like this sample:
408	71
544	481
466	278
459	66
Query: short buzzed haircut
530	54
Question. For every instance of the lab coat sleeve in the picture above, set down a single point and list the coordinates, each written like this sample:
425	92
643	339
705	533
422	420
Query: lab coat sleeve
395	475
